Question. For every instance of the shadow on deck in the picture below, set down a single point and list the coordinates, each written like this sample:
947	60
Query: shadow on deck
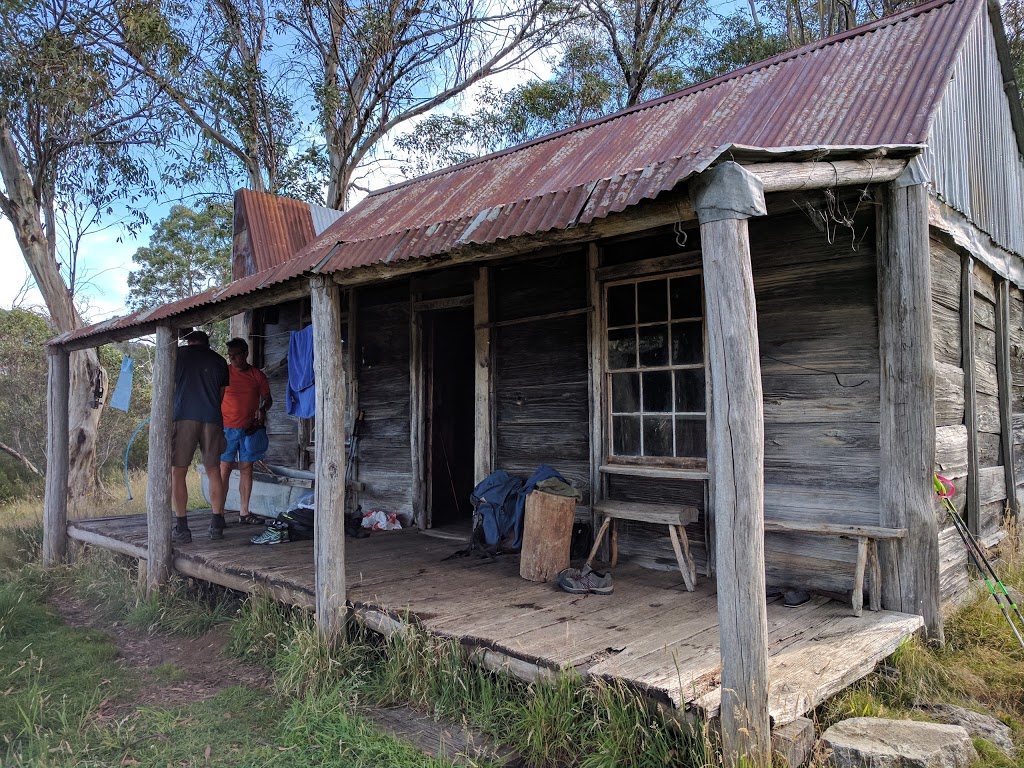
650	632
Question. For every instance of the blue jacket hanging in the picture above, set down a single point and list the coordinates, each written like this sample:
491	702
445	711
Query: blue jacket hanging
301	395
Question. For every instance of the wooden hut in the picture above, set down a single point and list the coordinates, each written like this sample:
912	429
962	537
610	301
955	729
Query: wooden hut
759	313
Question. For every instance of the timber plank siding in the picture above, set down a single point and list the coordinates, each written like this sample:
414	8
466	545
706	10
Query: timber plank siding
818	336
384	457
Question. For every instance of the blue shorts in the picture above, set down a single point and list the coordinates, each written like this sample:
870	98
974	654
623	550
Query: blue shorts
243	447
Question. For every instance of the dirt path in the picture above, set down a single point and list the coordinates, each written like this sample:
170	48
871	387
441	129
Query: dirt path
208	670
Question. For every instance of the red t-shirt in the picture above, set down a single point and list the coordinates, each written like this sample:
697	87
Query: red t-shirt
242	397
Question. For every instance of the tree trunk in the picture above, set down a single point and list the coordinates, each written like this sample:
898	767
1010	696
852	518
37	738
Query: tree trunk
24	210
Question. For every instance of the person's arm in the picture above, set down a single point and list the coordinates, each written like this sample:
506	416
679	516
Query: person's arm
265	400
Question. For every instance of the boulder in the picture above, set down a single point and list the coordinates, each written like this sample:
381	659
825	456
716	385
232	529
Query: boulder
870	742
975	723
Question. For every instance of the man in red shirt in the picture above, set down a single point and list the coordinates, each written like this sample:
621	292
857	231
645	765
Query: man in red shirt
244	408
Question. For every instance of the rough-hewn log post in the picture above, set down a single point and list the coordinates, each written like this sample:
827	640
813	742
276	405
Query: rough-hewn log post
158	484
910	567
55	504
1005	377
329	374
724	198
482	408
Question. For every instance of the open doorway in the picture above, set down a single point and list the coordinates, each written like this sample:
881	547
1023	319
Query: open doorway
449	339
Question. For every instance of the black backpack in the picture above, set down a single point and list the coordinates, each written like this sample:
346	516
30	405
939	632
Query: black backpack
299	522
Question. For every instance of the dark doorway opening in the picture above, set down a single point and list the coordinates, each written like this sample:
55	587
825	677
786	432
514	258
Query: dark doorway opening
450	415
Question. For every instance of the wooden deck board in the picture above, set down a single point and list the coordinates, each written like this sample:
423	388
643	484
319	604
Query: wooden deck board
650	632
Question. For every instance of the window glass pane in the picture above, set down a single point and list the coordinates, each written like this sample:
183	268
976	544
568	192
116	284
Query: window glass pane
625	392
652	301
653	345
685	295
626	435
658	391
657	436
687	343
622	348
690	391
691	438
621	305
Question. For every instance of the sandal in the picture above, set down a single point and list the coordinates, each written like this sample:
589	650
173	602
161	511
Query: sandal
251	519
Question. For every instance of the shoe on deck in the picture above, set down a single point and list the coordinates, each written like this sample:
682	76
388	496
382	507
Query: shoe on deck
181	535
217	526
586	581
271	536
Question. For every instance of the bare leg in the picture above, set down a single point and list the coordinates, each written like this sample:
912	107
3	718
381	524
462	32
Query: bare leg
225	472
179	491
216	488
244	486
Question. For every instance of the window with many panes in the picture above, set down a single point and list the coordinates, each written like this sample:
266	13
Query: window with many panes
655	369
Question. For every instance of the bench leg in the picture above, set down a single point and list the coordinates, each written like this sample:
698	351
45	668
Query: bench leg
686	567
874	577
858	576
597	541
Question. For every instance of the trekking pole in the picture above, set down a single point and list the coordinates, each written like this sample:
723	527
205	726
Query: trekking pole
965	531
977	556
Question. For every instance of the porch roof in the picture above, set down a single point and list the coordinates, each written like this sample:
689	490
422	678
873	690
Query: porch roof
873	89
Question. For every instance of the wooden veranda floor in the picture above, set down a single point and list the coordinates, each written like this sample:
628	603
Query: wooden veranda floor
650	632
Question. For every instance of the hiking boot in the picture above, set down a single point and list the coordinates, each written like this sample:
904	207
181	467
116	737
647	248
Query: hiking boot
586	581
181	535
271	536
217	526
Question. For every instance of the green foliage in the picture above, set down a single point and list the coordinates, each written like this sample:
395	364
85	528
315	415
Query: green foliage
23	371
735	43
1013	20
189	252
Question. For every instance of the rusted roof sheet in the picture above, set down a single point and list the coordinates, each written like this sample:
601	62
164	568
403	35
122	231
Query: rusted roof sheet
876	85
274	229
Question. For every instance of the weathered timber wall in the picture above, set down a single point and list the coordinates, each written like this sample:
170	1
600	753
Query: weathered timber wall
282	429
541	385
384	457
991	481
950	428
1017	380
817	317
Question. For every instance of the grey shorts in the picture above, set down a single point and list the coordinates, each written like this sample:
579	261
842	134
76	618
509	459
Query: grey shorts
189	435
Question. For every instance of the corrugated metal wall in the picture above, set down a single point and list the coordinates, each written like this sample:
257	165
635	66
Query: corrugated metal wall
972	153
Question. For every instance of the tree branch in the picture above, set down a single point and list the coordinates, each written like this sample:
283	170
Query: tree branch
21	458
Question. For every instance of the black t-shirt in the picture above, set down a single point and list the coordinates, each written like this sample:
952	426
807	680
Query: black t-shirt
199	376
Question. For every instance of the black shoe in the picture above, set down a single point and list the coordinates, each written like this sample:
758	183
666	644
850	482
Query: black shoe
217	526
181	536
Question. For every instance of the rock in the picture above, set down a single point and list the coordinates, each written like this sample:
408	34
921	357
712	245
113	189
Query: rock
869	742
978	725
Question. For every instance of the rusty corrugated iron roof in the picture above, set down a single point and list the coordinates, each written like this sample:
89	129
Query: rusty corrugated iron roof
876	85
269	230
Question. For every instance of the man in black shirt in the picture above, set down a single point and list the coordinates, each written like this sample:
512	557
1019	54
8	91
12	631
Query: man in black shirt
200	377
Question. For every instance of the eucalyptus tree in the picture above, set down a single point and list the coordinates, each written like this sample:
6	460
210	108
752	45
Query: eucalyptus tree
218	61
376	64
72	129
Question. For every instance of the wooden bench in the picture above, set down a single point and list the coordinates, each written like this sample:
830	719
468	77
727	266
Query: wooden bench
867	537
662	514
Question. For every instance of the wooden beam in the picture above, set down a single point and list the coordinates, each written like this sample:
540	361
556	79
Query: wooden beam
910	567
595	342
483	443
967	362
1005	377
724	199
329	544
158	485
418	409
791	177
352	375
55	500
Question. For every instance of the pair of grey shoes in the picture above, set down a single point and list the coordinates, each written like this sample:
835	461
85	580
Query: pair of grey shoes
184	535
584	581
